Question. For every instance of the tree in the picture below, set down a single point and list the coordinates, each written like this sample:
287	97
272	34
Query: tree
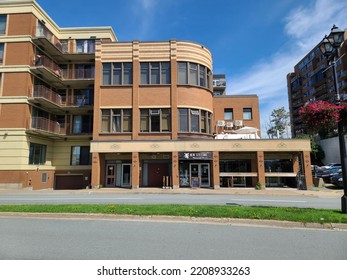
278	123
317	153
320	117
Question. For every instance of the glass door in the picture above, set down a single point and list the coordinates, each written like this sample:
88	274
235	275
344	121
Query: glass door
201	171
110	175
205	174
126	175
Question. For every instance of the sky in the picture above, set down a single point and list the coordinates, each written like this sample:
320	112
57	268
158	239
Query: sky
255	43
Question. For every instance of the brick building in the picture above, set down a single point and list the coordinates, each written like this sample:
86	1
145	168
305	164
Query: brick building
79	108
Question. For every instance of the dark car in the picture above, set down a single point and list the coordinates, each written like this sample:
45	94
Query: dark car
327	174
337	180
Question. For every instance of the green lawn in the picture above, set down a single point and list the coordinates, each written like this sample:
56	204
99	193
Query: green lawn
305	215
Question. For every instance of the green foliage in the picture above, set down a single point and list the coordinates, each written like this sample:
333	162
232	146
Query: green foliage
305	215
278	123
317	153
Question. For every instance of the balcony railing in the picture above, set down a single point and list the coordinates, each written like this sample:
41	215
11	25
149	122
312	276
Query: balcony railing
79	74
45	125
42	60
44	92
43	32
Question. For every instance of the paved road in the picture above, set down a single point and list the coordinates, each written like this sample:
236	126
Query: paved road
309	201
88	239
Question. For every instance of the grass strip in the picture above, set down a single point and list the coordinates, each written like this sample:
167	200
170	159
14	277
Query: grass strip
305	215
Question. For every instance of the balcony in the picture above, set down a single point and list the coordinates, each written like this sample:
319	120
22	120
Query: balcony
51	72
41	91
45	125
47	98
47	69
79	74
48	42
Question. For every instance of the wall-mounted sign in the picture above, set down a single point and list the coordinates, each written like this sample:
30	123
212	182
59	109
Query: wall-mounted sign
195	156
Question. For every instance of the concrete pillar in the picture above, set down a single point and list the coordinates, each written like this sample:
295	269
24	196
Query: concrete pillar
261	168
307	168
175	171
135	172
215	170
95	170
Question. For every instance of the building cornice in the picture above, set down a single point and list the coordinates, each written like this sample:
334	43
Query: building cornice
31	6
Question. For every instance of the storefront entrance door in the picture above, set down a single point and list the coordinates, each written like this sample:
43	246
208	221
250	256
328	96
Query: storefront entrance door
156	172
110	175
201	170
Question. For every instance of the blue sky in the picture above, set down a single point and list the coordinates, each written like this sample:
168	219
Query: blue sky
254	42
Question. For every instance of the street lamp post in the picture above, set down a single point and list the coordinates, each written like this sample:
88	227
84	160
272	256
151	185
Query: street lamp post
330	48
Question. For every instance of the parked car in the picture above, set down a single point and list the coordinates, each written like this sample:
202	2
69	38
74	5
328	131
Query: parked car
328	173
330	165
336	180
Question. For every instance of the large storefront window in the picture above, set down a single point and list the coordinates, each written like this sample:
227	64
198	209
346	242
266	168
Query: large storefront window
194	169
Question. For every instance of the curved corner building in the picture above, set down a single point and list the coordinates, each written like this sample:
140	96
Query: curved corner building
80	109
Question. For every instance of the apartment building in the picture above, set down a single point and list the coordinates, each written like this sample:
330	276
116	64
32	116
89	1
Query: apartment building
78	108
313	80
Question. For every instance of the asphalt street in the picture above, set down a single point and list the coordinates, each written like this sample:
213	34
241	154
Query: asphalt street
90	238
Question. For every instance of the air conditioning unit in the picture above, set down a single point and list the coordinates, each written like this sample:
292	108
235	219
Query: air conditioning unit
238	123
229	124
153	112
220	123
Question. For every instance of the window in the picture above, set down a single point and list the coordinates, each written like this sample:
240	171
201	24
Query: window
194	120
182	73
82	124
83	97
247	113
84	71
44	178
80	155
85	46
183	121
193	74
118	73
228	114
1	52
202	76
155	73
116	120
3	21
155	120
64	46
37	154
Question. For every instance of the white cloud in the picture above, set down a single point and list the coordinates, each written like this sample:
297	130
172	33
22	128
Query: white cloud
145	11
305	27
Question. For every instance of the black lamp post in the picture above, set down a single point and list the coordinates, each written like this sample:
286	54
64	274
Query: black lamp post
330	48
